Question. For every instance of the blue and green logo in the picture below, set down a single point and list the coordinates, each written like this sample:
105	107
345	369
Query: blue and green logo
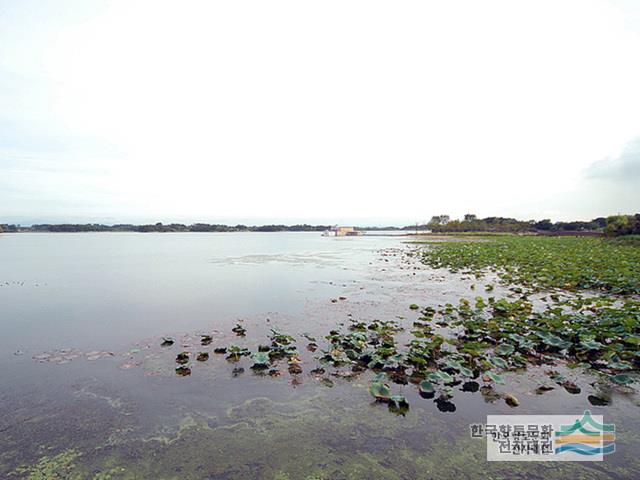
586	436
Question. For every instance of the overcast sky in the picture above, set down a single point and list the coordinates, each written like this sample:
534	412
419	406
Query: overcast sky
325	111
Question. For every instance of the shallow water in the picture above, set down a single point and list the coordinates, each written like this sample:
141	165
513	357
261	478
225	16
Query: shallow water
88	392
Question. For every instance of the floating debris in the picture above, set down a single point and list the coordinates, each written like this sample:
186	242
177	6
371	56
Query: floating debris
511	400
202	357
182	358
239	330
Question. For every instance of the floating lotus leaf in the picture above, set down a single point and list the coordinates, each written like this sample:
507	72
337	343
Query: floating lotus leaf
234	353
495	377
202	357
621	379
295	369
426	387
399	399
380	391
309	337
499	362
453	364
260	358
239	330
571	387
616	364
599	400
466	372
553	340
523	342
446	378
182	358
504	349
281	338
543	389
591	345
446	393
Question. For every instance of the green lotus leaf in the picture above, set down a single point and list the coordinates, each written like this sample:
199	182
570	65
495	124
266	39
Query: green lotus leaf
495	377
445	377
621	379
504	349
426	387
466	372
499	362
399	399
260	358
591	345
380	391
433	377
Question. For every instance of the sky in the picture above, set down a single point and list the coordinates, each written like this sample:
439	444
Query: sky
368	112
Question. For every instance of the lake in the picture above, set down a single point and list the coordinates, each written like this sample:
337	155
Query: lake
88	390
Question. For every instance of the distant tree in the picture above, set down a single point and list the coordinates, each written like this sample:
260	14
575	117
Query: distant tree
599	222
543	224
470	217
439	220
621	225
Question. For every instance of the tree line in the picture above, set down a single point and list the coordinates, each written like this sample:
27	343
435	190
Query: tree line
160	227
613	226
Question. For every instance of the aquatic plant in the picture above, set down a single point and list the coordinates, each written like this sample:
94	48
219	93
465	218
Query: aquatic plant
539	262
182	358
239	330
234	353
202	357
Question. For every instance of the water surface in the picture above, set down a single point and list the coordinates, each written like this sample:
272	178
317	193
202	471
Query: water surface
88	391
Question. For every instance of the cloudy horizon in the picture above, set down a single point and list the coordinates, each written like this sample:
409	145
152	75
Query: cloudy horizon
366	112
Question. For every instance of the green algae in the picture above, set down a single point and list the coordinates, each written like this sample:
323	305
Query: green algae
57	467
310	438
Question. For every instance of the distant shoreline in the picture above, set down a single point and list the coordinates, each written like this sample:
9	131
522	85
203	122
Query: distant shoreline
179	228
440	224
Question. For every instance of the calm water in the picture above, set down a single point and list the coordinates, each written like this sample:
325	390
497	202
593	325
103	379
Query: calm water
87	391
102	290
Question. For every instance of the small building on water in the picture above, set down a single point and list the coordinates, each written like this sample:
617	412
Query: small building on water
342	232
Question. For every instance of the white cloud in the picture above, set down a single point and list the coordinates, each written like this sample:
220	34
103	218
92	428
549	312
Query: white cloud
333	109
